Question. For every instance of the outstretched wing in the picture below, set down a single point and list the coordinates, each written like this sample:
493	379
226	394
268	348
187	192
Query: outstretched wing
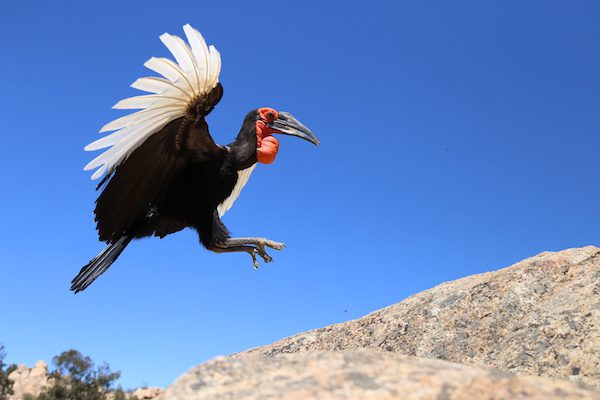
182	90
151	146
143	179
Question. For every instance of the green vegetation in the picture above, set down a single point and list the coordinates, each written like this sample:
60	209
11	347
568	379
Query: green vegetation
5	383
75	377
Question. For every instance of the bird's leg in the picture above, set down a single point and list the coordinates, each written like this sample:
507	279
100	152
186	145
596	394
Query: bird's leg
247	245
224	248
258	242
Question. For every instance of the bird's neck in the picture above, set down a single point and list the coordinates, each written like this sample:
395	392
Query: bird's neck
242	152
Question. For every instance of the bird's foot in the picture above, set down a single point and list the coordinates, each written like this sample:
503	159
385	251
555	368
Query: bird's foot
253	254
251	245
263	254
261	244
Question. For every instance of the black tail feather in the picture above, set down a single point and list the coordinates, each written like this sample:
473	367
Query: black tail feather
99	264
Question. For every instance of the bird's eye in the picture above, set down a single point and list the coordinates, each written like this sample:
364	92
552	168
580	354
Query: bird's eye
270	116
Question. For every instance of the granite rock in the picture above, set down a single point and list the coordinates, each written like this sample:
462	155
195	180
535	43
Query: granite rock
540	316
365	375
29	380
146	393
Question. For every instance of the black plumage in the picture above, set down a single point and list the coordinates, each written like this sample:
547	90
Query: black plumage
178	177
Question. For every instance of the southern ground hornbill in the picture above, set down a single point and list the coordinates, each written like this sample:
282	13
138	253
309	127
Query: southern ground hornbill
162	170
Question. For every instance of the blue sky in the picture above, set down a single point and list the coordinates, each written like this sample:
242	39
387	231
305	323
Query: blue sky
457	137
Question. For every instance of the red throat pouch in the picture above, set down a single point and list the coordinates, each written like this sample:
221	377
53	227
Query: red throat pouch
266	149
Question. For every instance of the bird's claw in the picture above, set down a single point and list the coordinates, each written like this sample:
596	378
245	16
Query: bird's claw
274	245
260	250
267	258
253	254
270	243
262	253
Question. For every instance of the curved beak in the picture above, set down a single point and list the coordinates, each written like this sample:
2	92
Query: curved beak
288	125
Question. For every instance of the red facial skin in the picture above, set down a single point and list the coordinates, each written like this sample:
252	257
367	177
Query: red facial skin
266	145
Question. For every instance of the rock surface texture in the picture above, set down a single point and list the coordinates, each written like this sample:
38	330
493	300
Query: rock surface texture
32	381
29	380
146	393
540	316
506	333
361	375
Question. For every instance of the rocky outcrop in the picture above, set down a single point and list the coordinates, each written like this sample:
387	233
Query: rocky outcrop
29	380
540	316
361	375
33	381
146	393
529	331
506	332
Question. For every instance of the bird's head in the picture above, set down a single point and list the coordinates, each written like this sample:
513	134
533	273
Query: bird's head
270	121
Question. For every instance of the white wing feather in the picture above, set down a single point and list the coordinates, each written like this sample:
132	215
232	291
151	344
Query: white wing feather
200	51
135	117
195	72
140	125
128	142
168	69
148	100
178	51
156	85
243	177
215	67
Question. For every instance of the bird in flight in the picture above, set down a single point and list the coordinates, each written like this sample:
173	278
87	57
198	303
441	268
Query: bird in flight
162	171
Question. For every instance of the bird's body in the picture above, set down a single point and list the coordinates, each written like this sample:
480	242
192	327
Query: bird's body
163	170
